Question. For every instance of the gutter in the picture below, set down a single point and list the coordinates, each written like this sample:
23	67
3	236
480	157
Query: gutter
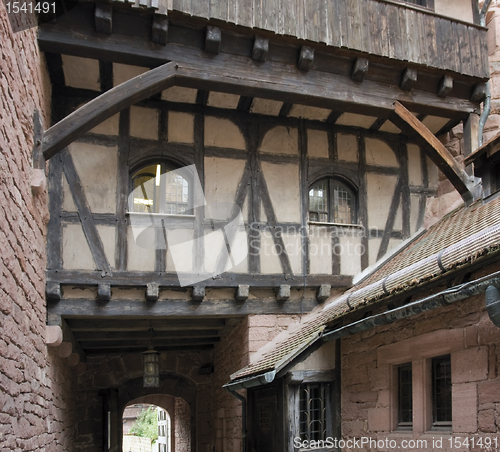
488	284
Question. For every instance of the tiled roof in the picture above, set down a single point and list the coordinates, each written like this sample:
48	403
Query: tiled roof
458	239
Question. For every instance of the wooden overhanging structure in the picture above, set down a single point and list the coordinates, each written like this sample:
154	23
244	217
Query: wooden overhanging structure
279	83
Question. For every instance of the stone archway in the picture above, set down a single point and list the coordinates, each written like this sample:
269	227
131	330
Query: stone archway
173	387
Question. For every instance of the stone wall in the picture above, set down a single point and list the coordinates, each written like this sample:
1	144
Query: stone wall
182	431
369	360
36	386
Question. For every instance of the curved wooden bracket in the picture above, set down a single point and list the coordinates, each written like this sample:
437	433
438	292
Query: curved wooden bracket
106	105
436	151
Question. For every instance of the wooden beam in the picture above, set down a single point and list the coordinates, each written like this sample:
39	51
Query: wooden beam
152	292
87	221
260	49
213	39
323	292
133	279
159	29
479	92
409	79
93	336
176	326
52	291
198	293
104	292
306	58
445	86
360	69
436	151
233	74
103	18
283	293
122	308
242	292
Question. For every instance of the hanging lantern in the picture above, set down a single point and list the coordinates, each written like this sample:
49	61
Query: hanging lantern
151	378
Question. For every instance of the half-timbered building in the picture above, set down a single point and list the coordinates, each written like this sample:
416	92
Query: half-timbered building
219	172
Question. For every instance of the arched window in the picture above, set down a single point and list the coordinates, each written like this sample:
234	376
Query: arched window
332	201
160	188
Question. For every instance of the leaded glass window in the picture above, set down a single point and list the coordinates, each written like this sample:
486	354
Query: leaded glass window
158	188
441	391
405	396
331	201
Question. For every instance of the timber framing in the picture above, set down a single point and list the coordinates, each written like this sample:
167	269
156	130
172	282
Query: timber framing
436	151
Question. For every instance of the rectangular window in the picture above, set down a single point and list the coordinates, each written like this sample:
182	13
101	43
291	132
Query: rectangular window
441	391
425	3
313	405
405	397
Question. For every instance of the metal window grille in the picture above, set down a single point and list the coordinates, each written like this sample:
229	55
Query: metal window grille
441	391
405	398
313	403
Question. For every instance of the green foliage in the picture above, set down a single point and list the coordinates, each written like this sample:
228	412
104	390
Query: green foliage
146	424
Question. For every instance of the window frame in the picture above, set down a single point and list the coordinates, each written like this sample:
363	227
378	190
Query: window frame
165	167
447	423
408	367
330	206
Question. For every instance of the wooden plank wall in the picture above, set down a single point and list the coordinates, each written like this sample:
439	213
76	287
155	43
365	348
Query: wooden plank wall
370	26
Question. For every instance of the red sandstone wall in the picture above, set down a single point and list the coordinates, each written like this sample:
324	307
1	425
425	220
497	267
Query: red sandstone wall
36	387
366	387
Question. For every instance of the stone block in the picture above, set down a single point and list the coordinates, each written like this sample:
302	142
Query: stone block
469	365
464	402
486	421
489	391
379	420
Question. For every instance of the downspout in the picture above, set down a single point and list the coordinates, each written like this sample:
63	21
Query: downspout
487	100
243	417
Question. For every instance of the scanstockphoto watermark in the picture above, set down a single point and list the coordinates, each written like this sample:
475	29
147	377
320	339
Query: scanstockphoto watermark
435	443
203	240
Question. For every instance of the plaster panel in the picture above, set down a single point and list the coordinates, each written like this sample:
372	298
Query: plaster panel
388	126
97	167
214	244
393	243
283	185
124	72
373	247
269	258
349	251
182	260
352	119
223	100
452	8
108	127
379	153
414	165
68	204
281	140
433	173
180	94
317	143
266	106
304	111
222	177
223	133
347	147
76	252
293	247
144	123
180	127
435	123
414	208
321	359
380	190
107	234
81	72
239	251
320	251
139	259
